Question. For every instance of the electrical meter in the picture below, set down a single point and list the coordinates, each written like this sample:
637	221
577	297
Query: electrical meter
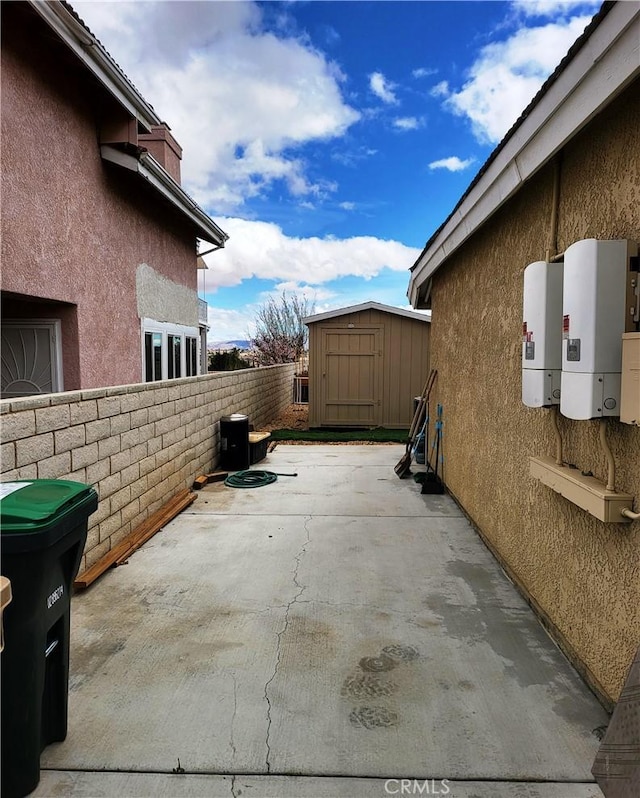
597	309
542	334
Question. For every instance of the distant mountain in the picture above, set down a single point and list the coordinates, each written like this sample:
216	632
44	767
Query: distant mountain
224	346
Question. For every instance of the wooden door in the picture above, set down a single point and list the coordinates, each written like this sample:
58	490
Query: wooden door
351	376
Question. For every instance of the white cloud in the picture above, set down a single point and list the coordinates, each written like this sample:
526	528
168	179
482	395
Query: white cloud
353	156
238	99
347	206
453	164
382	88
552	8
440	89
507	75
312	293
261	249
407	123
230	325
423	72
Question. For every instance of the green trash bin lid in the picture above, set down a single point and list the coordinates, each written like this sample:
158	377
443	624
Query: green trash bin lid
32	505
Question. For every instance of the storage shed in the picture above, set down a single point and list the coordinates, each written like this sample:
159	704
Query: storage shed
366	363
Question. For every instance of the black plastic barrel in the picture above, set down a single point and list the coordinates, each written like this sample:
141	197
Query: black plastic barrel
234	442
43	525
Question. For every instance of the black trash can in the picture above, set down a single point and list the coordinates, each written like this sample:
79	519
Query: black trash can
43	526
234	442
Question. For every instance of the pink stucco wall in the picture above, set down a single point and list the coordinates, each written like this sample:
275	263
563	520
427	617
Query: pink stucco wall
74	229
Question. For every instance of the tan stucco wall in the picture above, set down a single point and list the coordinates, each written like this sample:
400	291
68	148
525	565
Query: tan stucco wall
137	445
583	575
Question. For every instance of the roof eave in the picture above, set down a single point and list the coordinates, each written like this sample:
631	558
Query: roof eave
148	168
93	55
603	66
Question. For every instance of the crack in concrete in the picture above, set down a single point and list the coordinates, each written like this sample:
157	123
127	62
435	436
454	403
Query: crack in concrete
287	609
233	786
232	743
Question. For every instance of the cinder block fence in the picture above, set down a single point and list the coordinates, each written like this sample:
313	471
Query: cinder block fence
137	445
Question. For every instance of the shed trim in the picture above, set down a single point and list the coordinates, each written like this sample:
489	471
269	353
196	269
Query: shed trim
606	62
332	314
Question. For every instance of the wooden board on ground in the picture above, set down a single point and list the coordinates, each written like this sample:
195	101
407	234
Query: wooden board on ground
217	476
147	529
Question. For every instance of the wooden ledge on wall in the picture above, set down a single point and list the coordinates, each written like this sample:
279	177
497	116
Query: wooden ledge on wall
137	538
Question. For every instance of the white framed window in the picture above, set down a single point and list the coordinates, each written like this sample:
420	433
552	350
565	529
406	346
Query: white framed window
169	351
191	353
152	356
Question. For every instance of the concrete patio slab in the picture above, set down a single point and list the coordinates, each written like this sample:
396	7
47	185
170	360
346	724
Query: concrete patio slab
141	785
258	638
334	480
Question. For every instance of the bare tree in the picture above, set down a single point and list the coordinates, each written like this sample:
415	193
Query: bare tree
281	335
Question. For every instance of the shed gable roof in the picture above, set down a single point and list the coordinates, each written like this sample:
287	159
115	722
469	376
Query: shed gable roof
332	314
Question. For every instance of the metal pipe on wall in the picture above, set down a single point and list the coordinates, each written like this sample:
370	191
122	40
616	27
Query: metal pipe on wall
611	475
556	429
552	243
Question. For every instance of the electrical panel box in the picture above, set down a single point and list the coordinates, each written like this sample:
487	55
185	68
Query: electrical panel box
630	385
582	490
542	334
597	309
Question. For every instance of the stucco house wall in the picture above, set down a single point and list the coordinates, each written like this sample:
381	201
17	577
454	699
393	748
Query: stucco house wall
77	230
583	576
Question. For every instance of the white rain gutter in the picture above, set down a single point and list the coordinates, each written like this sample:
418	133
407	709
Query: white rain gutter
607	62
88	49
148	168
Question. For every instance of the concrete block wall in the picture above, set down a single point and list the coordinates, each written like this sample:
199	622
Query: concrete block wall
138	445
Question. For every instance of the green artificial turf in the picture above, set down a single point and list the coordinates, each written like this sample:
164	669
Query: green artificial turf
378	435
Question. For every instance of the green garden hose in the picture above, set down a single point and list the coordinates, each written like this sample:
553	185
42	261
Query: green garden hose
253	479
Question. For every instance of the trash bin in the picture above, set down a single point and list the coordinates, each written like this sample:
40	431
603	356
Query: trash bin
43	527
234	442
5	600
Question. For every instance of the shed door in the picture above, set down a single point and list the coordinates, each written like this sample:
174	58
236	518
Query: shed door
351	376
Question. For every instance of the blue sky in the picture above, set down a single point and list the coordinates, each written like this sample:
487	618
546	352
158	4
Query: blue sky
330	139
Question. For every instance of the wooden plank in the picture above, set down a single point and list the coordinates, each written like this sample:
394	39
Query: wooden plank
161	522
153	524
199	482
98	568
89	576
217	476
